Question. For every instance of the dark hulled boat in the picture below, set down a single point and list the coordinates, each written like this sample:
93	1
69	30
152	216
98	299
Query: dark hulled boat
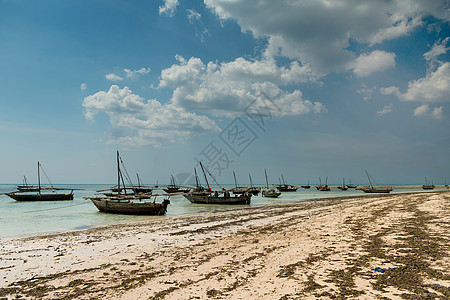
130	204
427	185
269	192
200	195
283	187
119	202
375	189
306	186
32	193
173	188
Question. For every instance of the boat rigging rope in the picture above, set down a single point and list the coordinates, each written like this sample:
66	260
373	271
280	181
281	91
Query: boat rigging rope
54	208
127	176
46	176
213	178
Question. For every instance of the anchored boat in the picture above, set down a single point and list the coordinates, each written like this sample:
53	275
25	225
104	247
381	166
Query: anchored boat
375	189
28	192
215	197
121	202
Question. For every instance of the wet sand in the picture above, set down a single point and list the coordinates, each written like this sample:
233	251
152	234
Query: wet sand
372	247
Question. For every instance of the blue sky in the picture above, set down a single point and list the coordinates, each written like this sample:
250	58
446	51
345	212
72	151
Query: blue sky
306	89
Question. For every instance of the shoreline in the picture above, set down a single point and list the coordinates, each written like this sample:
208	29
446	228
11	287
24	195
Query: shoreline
305	249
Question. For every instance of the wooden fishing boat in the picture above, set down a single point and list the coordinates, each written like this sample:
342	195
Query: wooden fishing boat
283	187
269	192
141	189
351	186
119	202
306	186
238	190
254	190
343	187
325	187
427	185
130	204
32	193
174	188
375	189
215	197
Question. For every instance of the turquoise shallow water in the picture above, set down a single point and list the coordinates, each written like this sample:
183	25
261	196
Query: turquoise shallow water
33	218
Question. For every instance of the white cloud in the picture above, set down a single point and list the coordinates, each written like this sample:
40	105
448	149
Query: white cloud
366	92
192	15
83	86
135	121
228	88
168	8
386	109
438	113
422	110
401	25
434	87
376	61
113	77
135	73
318	32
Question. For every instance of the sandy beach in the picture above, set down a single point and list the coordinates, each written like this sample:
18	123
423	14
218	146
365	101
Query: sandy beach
372	247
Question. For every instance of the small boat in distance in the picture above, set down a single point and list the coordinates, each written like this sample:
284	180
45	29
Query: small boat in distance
238	190
375	189
307	186
427	185
351	186
173	187
283	187
141	189
254	190
215	197
119	202
325	187
268	192
32	193
343	187
26	186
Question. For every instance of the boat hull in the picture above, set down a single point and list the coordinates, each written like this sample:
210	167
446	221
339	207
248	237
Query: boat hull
271	193
129	207
207	199
40	197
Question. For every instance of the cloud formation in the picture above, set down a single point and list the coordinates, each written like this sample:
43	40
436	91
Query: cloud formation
226	89
135	73
113	77
376	61
318	33
135	121
168	8
386	109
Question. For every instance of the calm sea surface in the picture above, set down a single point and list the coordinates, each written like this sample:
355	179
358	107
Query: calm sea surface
33	218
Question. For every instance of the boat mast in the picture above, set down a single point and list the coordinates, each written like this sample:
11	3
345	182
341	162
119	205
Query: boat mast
370	181
267	181
282	177
204	173
139	181
39	178
235	182
196	178
118	174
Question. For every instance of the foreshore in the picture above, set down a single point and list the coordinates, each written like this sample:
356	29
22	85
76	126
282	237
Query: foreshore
362	247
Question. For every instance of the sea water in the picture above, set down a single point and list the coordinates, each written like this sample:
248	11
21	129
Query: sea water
33	218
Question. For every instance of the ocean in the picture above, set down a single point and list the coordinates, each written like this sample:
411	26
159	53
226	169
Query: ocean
19	219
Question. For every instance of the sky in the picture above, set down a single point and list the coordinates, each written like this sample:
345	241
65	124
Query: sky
302	88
